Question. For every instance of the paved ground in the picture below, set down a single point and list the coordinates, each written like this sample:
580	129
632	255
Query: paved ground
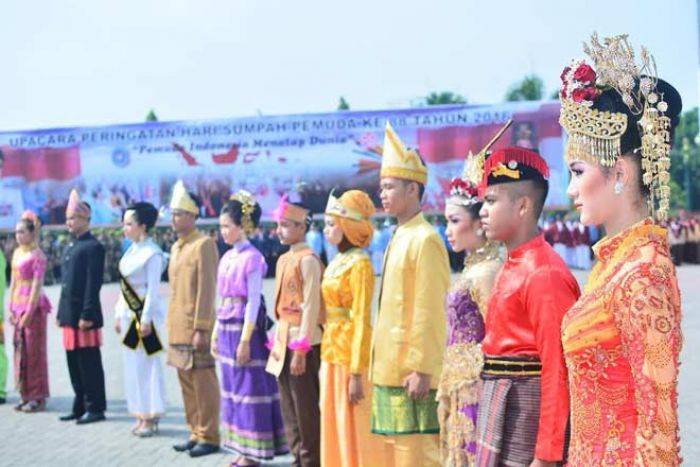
41	440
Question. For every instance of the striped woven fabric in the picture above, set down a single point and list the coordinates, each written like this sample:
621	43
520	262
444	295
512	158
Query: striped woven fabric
509	412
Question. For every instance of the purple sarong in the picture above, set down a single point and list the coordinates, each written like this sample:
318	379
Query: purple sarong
250	410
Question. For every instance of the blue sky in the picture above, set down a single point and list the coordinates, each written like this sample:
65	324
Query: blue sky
99	62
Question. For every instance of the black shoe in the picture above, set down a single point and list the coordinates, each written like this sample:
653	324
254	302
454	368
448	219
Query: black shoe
186	446
203	449
91	417
69	417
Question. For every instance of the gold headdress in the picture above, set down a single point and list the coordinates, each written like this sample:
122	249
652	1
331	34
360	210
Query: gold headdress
595	136
464	190
182	200
248	203
400	162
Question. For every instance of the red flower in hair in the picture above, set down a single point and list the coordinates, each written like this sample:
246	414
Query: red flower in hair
584	74
579	95
459	187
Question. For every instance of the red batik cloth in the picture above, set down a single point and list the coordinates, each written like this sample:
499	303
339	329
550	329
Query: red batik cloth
531	294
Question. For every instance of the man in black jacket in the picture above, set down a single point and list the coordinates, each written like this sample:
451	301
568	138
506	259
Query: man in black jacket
80	314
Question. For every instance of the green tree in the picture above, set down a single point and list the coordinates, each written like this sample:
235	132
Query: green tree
444	97
343	104
685	168
531	88
151	117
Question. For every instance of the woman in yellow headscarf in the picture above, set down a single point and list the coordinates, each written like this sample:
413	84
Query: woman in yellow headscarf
348	285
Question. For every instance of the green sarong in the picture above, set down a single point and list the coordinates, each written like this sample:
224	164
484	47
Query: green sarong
394	413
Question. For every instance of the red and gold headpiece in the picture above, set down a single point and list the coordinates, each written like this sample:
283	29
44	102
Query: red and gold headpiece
594	135
513	164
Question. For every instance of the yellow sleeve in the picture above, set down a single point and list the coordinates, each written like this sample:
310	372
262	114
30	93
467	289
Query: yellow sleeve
362	288
207	262
428	330
647	311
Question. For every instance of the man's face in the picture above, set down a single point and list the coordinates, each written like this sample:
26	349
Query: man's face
393	194
182	221
500	213
77	224
290	232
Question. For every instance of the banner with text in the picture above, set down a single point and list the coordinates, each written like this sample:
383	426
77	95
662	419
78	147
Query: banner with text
303	155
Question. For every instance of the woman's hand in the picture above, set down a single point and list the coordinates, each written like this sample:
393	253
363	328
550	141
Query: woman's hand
243	353
355	390
26	320
146	329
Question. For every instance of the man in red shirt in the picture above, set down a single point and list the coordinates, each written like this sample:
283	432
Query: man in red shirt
524	408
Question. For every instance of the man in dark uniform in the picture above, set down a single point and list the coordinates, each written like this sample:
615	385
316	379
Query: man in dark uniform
80	314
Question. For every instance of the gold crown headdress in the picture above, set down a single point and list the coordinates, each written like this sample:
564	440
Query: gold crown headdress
182	200
464	190
248	203
595	135
336	208
400	162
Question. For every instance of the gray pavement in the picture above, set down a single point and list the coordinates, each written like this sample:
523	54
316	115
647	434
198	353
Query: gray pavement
41	440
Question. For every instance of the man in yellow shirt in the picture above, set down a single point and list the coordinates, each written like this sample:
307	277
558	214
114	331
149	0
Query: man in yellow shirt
409	337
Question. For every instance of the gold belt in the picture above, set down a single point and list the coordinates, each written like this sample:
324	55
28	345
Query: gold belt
337	313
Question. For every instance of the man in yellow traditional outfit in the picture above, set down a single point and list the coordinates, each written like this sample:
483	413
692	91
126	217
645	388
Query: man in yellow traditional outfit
191	316
295	358
410	334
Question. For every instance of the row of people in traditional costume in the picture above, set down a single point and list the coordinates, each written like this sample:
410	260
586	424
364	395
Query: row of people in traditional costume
522	369
572	240
684	236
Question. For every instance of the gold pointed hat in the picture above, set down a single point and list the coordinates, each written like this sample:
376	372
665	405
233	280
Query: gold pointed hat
182	200
400	162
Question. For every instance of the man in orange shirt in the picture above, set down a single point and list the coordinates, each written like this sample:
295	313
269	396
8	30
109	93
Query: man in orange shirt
295	358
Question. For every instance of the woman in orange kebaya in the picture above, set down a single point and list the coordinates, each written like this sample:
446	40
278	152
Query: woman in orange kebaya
622	339
348	285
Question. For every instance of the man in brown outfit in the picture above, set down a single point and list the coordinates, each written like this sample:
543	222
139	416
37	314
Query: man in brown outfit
191	316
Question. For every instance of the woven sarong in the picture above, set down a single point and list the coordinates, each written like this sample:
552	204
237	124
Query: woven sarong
251	418
509	413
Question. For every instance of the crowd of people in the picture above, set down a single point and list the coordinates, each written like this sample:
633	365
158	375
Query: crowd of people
684	237
512	364
53	243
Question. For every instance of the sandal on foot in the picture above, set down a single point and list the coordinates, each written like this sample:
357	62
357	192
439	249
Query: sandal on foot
34	406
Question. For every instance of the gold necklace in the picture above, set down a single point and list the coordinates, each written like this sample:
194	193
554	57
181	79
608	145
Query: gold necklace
489	251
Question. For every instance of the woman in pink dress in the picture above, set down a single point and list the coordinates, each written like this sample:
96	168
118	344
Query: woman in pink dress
29	307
